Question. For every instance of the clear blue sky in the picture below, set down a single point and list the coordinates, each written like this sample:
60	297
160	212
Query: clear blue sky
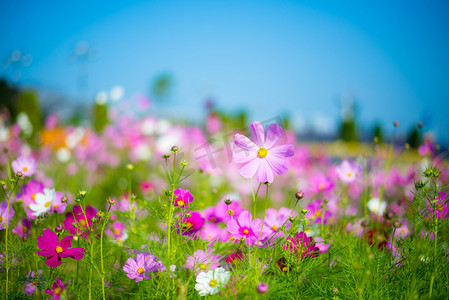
267	56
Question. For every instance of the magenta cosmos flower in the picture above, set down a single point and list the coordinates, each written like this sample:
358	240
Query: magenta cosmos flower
83	222
191	223
27	165
182	197
55	250
244	227
263	156
301	245
57	289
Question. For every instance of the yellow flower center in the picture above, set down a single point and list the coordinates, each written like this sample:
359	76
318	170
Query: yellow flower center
284	269
57	290
34	283
230	212
33	196
349	175
82	223
180	203
140	270
203	266
116	231
187	225
55	206
47	204
213	283
25	169
1	219
318	213
262	152
321	187
59	249
274	227
440	207
245	231
231	238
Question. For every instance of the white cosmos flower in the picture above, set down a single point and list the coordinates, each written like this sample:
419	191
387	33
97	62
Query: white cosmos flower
44	202
212	281
376	206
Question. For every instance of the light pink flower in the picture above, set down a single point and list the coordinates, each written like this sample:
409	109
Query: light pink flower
263	156
27	165
348	171
246	228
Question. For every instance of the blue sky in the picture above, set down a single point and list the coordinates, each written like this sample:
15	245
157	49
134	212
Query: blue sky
269	57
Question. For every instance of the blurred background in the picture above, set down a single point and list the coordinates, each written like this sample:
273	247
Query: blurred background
329	69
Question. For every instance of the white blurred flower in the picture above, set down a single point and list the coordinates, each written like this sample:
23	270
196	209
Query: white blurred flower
44	202
212	281
4	134
102	98
148	127
24	123
376	206
63	155
74	138
117	93
142	152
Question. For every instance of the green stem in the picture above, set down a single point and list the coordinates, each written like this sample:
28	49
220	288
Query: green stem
101	257
255	196
90	268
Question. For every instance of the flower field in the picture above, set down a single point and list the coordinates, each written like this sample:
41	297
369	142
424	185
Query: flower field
148	208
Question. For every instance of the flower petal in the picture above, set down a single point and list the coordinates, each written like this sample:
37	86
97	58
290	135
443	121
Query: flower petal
245	218
46	253
258	134
274	133
66	242
48	240
250	168
264	172
282	151
75	253
242	157
244	142
278	165
53	261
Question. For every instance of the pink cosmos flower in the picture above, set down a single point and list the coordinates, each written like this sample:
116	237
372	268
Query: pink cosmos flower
348	171
301	245
222	212
4	216
275	219
57	289
315	212
320	183
28	194
203	261
211	232
182	197
83	222
244	227
442	207
27	165
192	224
58	206
140	267
263	156
55	250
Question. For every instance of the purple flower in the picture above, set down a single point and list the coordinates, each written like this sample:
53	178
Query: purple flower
27	165
182	197
442	207
301	245
246	228
203	261
4	216
315	212
31	282
57	289
55	250
263	156
139	268
190	225
23	229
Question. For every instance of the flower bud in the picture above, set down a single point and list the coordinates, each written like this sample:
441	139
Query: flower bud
188	215
64	199
299	195
184	163
19	174
5	187
82	193
228	202
94	220
111	201
304	211
365	223
174	149
165	155
292	219
59	228
100	214
389	215
334	290
397	224
75	238
130	167
262	288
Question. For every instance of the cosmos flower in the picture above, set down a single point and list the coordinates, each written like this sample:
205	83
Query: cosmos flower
55	250
44	202
442	207
301	245
275	219
376	206
27	165
57	289
348	171
4	216
23	229
315	212
83	221
263	156
202	261
31	282
140	267
244	227
210	283
191	223
182	197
